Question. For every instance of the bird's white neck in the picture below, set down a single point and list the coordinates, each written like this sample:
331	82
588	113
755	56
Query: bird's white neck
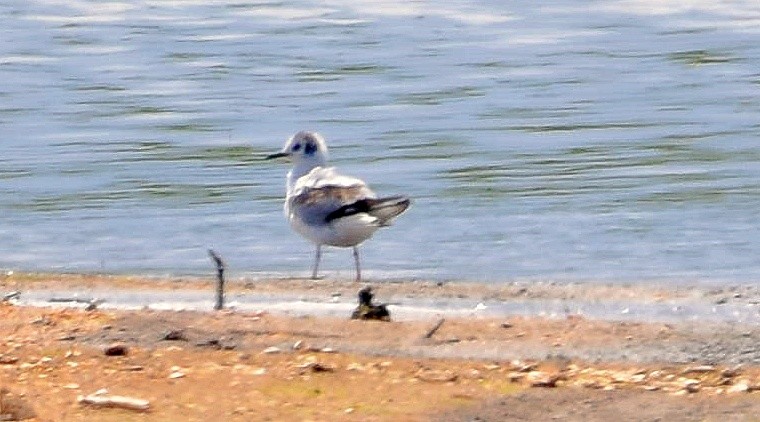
302	168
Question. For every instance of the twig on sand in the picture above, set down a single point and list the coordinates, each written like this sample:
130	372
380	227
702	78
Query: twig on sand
12	295
92	303
122	402
71	299
435	328
219	305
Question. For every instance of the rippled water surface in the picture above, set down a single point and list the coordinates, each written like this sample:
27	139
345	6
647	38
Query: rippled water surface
609	140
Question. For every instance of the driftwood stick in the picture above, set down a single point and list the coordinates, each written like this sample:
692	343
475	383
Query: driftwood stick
92	303
219	305
122	402
71	299
435	328
12	295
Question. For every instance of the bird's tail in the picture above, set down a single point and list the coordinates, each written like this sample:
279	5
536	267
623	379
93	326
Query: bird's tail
384	209
388	208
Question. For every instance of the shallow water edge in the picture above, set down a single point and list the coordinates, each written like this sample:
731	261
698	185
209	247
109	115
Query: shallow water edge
408	300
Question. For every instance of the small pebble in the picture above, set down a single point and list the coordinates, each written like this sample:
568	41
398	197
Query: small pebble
177	374
741	387
174	335
271	350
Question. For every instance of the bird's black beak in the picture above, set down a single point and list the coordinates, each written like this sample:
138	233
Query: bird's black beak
277	155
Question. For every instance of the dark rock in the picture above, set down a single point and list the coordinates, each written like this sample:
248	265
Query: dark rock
369	311
174	335
116	349
376	312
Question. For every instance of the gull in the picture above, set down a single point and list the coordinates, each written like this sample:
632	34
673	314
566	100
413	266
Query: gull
329	208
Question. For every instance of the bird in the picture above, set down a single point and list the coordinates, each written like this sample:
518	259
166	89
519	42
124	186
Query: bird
329	208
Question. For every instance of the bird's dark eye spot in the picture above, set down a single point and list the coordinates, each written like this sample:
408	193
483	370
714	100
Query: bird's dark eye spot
310	148
296	147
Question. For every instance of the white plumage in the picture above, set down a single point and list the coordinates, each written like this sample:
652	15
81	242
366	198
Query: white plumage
329	208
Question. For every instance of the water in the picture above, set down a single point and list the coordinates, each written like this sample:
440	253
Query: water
613	140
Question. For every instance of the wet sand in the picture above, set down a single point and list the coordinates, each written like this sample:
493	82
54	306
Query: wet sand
288	364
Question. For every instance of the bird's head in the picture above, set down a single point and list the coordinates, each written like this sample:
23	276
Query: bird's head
304	147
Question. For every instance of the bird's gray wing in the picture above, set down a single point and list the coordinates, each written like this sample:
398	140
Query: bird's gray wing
323	191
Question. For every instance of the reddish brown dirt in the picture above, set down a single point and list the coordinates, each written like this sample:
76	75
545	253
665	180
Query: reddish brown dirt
332	369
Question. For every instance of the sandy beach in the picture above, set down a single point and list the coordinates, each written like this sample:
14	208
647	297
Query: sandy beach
569	353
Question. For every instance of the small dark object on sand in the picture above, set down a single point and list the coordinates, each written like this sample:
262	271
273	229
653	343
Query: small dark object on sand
93	305
116	349
366	310
219	305
174	335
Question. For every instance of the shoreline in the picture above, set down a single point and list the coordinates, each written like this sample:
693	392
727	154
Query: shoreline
276	364
414	299
717	326
529	288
